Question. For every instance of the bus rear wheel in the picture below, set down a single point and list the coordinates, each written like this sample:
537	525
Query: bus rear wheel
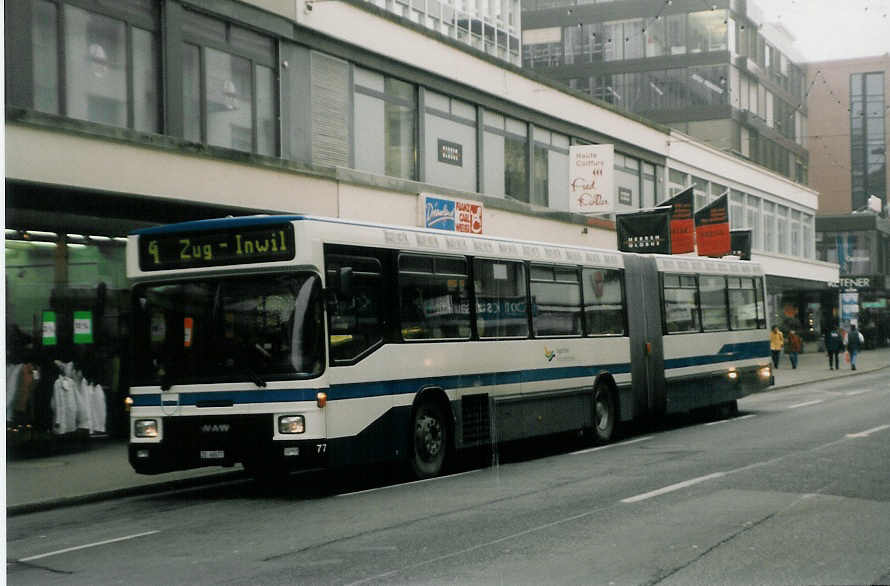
429	440
604	413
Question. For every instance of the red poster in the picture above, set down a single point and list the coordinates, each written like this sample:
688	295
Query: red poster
468	217
712	228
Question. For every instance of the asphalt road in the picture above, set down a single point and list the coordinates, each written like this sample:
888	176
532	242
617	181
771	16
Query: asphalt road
794	490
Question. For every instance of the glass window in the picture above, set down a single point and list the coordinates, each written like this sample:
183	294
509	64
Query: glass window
500	299
355	322
736	210
769	226
603	301
707	31
217	330
450	137
701	192
742	304
676	33
714	314
516	160
229	91
782	229
556	301
434	298
111	66
655	38
680	304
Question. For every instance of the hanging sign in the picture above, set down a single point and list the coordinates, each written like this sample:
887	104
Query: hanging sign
591	179
452	215
83	327
712	228
48	319
740	244
682	224
645	232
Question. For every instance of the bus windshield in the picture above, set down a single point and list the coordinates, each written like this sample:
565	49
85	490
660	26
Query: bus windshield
254	328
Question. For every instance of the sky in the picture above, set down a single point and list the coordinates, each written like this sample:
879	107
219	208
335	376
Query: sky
833	29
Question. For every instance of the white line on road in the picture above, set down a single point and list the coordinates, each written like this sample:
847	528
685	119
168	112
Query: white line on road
76	547
852	393
633	441
807	404
379	488
731	420
868	432
671	488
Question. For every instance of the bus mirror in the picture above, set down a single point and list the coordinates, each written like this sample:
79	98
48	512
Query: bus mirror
345	285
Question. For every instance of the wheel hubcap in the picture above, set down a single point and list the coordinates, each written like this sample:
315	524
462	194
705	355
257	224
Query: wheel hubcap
602	414
428	437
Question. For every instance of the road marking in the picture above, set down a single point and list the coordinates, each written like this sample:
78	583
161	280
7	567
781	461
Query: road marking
633	441
852	393
77	547
671	488
379	488
868	432
807	404
731	420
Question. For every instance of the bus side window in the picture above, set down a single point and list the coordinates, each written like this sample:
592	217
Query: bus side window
603	302
355	323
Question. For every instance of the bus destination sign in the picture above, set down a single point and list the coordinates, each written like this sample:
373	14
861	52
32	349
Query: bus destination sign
188	250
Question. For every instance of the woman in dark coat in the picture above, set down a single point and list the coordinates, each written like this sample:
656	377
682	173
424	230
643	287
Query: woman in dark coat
833	345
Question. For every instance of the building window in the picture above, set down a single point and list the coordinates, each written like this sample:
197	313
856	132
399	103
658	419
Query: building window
450	142
867	138
782	229
385	125
736	210
505	152
795	233
551	169
110	62
769	226
229	86
627	181
707	31
807	229
752	221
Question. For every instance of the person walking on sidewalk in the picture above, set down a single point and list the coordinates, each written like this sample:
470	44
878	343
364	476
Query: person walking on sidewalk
854	342
776	343
795	346
833	345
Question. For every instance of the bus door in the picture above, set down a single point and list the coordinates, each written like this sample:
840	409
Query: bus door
645	330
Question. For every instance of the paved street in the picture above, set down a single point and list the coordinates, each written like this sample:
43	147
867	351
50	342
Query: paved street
793	490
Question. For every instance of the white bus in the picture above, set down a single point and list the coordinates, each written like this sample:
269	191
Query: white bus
286	342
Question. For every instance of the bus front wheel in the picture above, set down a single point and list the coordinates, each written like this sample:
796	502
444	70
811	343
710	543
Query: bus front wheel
604	413
429	444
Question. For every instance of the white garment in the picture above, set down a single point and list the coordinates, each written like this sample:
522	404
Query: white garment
97	403
13	372
64	406
83	414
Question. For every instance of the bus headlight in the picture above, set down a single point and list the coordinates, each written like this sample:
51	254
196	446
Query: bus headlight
146	428
733	375
765	372
291	424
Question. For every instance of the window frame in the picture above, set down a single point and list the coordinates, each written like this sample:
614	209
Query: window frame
553	268
468	288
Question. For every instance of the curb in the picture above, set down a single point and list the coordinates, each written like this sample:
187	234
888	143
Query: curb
152	488
819	380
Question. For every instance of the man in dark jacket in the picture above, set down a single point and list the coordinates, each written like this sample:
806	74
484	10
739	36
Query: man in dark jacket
853	344
833	345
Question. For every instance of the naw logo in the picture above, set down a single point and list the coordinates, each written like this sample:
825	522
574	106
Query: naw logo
549	354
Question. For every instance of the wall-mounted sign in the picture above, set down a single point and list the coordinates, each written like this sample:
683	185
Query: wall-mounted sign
48	319
852	283
625	196
451	153
645	232
452	215
591	182
83	327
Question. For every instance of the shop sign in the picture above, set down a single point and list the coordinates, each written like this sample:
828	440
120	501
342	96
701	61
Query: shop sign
852	283
451	153
49	328
83	327
451	215
876	304
591	181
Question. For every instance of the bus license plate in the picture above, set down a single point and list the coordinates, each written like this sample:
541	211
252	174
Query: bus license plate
212	454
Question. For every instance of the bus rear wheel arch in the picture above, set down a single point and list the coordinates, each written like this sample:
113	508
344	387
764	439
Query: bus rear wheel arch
430	436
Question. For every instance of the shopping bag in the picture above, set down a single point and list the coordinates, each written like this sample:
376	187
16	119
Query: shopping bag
847	357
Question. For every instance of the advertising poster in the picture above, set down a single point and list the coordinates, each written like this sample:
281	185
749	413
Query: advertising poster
645	232
682	223
591	182
451	215
712	228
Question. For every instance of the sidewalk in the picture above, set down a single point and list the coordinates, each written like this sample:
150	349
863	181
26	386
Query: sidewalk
103	471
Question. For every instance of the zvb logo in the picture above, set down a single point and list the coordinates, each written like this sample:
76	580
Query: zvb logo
549	354
216	428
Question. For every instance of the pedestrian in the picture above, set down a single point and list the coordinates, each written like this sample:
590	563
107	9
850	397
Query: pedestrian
795	346
854	342
833	345
776	342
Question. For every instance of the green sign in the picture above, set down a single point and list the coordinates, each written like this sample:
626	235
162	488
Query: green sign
83	327
876	304
49	328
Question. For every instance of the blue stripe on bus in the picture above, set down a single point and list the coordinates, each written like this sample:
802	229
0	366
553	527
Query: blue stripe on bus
199	225
727	353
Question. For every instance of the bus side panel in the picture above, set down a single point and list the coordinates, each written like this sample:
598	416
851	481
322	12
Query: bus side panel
643	291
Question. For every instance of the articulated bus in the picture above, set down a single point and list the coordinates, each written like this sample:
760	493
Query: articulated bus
288	342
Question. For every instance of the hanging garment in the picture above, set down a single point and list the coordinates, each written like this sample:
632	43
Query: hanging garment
83	415
64	406
97	402
13	380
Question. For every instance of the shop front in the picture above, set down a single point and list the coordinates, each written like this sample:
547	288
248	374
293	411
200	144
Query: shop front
805	306
67	311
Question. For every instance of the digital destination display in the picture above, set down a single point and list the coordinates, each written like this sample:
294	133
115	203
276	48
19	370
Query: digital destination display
188	250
